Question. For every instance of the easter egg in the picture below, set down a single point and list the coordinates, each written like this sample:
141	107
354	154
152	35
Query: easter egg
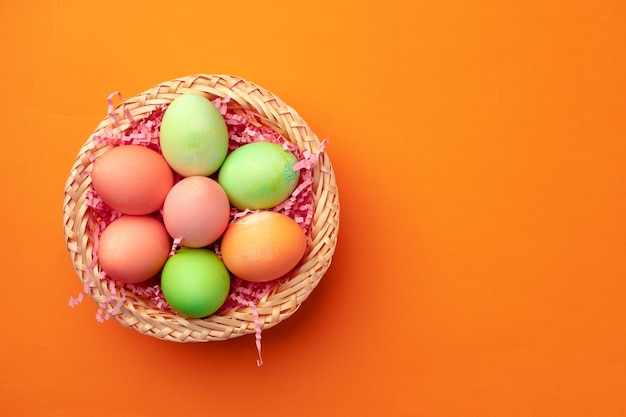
258	175
195	282
132	179
133	249
197	210
263	246
193	135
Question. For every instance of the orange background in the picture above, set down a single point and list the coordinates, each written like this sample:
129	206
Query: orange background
480	152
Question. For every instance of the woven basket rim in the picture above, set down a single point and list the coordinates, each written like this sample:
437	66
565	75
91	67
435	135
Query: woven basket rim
285	297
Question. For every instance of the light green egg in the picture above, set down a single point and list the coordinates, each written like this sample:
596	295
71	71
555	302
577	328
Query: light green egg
193	135
258	175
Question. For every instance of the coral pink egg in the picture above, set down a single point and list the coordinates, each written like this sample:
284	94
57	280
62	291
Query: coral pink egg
132	179
263	246
197	210
133	248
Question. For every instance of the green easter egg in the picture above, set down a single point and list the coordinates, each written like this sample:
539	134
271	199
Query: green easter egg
258	175
193	136
195	282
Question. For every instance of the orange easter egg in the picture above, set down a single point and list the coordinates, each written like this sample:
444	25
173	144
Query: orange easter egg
133	249
132	179
263	246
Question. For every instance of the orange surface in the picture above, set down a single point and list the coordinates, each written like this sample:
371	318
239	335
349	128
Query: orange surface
480	152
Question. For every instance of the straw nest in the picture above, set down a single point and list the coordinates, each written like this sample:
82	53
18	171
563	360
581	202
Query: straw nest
285	297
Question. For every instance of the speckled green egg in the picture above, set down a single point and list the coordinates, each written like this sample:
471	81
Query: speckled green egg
193	135
258	175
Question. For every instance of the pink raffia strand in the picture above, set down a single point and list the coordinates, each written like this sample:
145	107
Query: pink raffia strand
221	104
257	333
144	132
242	129
176	245
102	216
152	291
111	106
103	315
244	292
90	278
236	214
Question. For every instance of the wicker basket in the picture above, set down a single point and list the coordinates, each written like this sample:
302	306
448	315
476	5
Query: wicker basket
284	298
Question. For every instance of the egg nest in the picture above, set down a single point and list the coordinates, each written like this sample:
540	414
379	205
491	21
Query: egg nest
243	128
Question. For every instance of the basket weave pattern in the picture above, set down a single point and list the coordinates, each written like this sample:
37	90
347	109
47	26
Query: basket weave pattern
284	298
